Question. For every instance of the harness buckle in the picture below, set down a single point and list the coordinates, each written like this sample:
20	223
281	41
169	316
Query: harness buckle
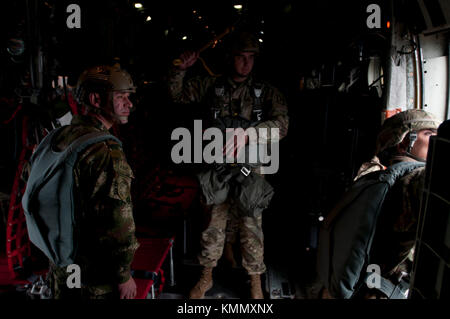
219	90
257	92
245	171
41	289
258	113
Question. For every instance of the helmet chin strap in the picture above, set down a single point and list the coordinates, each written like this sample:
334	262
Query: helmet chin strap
121	119
412	140
417	158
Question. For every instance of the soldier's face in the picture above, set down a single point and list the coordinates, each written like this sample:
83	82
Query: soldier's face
122	106
420	147
243	63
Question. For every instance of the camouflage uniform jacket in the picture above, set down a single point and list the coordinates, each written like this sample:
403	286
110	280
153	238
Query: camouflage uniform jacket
237	99
106	241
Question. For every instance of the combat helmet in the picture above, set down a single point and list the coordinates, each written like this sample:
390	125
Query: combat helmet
244	42
102	79
395	128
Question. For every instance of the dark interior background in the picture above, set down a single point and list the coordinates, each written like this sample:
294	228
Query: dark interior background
331	133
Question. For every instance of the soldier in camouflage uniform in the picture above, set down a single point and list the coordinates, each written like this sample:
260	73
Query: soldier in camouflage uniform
234	94
103	208
404	137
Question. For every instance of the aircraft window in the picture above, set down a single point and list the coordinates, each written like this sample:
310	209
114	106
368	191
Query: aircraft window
435	76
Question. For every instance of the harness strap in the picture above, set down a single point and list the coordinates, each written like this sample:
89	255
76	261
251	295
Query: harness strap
255	91
257	105
399	291
238	172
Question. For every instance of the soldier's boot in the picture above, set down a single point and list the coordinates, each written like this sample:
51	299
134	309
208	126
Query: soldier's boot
255	287
203	285
229	255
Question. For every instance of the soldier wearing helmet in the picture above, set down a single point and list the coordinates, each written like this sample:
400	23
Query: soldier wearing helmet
407	134
403	137
234	95
109	84
102	176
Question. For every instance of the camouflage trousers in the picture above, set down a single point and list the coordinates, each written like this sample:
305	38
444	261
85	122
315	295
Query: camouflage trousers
57	279
232	230
226	221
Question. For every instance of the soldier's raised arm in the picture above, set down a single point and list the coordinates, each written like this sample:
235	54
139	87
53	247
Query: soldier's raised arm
182	91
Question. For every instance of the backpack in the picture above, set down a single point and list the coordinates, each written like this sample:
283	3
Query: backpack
48	199
346	236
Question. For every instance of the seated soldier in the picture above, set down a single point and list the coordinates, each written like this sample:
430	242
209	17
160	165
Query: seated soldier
404	137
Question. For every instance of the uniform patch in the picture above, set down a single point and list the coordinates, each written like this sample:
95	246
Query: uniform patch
121	188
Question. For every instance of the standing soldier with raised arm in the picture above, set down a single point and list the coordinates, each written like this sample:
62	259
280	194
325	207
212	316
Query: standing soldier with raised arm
236	95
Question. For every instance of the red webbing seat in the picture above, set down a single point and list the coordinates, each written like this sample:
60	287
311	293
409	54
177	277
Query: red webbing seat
18	245
17	242
151	254
170	190
5	275
150	257
143	287
189	187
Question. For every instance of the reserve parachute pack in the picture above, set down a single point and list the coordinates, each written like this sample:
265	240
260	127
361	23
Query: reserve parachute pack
48	200
347	233
251	192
